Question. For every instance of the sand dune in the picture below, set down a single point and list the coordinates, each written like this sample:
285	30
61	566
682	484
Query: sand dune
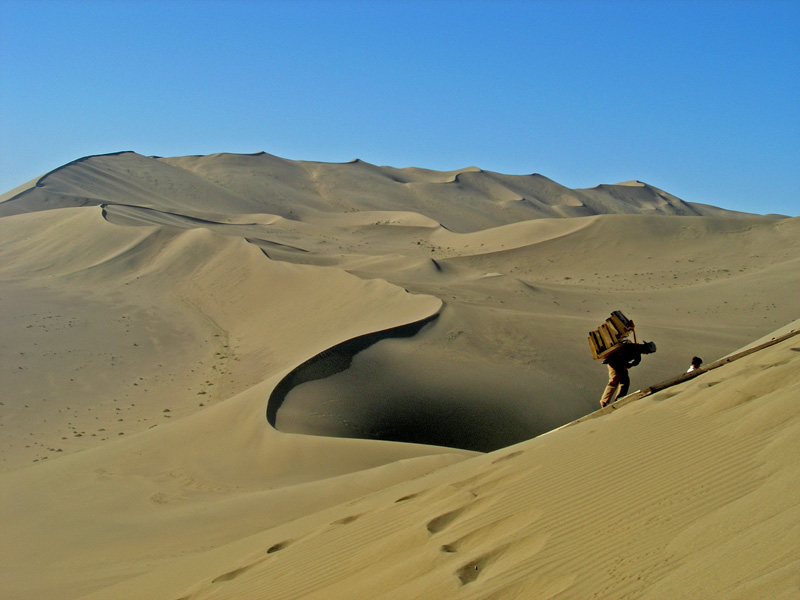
466	200
690	492
160	313
131	316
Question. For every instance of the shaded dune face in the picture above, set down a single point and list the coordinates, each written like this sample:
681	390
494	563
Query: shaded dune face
334	360
347	391
466	200
154	310
388	386
520	285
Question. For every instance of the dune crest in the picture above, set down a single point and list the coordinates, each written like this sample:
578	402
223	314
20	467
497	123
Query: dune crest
159	314
688	492
463	200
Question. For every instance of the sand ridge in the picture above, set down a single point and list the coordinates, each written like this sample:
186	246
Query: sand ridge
151	307
464	200
671	496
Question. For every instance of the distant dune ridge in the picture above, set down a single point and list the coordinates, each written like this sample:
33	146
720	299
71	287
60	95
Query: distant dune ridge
241	376
465	200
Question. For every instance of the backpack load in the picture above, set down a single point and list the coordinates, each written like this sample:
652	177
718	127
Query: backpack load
607	338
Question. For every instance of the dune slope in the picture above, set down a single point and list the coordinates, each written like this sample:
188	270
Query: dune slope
690	492
160	315
139	363
463	200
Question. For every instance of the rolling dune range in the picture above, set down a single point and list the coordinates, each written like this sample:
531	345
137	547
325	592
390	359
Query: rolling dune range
156	311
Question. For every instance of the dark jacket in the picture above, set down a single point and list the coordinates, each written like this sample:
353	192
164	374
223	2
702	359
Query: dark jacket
628	355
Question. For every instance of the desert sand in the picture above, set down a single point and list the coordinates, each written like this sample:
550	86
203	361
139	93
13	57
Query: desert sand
240	376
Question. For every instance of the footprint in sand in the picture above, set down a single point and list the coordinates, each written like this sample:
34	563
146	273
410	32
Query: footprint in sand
489	533
279	546
231	574
472	570
404	498
441	522
507	457
346	520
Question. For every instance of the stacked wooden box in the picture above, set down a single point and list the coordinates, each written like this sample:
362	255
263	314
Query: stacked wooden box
610	335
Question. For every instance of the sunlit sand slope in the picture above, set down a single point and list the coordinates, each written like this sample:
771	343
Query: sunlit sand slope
464	200
137	366
505	360
110	330
692	492
160	316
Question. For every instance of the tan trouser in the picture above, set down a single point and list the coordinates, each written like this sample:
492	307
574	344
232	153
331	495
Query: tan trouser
616	377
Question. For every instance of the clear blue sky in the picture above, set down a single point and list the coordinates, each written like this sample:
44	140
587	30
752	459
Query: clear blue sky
699	98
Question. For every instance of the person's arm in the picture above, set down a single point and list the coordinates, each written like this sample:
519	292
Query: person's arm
635	358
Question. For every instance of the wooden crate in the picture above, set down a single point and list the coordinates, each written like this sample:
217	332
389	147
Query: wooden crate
609	335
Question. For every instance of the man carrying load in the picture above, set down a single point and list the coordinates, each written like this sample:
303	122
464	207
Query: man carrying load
628	355
610	343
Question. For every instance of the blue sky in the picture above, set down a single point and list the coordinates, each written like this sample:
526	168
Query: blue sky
699	98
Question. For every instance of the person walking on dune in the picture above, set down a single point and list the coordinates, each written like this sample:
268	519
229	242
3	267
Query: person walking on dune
629	355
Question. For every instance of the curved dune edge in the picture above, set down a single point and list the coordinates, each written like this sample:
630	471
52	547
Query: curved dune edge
158	498
689	494
22	190
334	360
296	188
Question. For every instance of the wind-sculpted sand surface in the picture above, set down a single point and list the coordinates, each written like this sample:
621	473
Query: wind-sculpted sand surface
242	376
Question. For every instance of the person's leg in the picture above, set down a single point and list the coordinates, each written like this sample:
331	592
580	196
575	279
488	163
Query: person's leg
624	383
613	382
